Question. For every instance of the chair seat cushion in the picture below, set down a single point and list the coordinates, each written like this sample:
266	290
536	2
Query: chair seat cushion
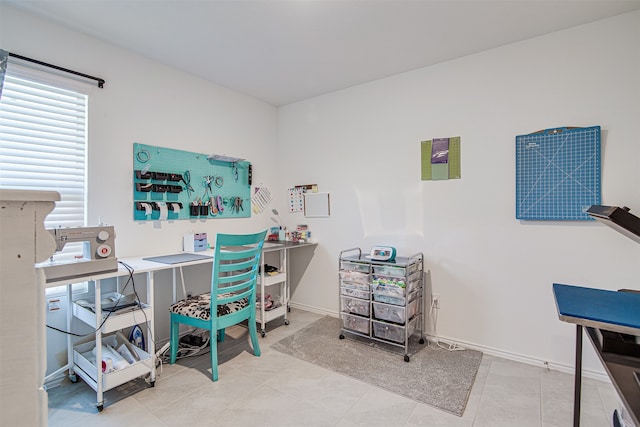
199	306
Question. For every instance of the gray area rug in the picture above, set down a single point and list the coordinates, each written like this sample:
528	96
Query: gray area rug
433	376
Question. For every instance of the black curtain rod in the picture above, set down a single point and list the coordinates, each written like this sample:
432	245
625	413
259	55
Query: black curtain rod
100	81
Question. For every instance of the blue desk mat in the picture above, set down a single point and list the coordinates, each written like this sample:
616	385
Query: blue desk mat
177	258
618	308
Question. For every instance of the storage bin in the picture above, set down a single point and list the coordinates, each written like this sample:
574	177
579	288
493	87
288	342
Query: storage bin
354	292
355	323
355	285
389	270
354	276
390	332
390	287
395	313
85	360
388	281
355	266
355	305
416	276
412	286
388	292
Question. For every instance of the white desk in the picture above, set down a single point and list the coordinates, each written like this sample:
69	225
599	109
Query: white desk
148	267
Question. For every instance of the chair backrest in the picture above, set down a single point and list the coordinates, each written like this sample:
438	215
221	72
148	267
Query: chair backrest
235	268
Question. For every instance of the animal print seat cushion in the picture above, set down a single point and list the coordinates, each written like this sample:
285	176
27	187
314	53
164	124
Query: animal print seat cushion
199	306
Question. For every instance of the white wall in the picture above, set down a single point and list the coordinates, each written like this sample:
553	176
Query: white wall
146	102
363	146
494	273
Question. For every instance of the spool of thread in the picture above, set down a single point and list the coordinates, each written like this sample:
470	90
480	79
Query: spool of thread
107	365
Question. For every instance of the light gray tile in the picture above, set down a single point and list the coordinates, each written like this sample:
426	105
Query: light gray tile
278	390
511	396
266	406
380	408
424	415
334	393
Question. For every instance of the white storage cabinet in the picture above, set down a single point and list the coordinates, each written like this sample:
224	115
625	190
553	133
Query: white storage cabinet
383	301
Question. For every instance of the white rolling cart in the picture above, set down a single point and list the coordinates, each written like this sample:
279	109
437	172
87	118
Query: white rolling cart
275	280
382	300
88	365
277	252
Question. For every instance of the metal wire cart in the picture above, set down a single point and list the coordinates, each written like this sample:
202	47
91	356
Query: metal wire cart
382	300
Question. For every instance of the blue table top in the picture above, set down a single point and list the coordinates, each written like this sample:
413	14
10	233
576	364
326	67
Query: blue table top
612	307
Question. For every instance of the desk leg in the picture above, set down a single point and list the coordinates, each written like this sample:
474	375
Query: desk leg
578	378
151	345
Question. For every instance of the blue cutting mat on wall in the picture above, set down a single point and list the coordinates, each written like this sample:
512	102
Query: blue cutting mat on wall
557	173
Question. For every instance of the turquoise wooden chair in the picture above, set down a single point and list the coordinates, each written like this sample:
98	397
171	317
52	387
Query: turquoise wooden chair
233	287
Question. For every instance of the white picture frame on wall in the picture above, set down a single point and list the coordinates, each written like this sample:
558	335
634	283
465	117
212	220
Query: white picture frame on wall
317	205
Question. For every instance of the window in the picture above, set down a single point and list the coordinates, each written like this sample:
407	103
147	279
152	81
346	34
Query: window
43	140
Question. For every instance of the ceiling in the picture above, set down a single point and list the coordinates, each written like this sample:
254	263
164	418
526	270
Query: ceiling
282	51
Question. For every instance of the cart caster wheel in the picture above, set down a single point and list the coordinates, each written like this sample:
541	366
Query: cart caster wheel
341	337
152	384
421	341
286	322
100	408
73	378
288	309
263	333
406	357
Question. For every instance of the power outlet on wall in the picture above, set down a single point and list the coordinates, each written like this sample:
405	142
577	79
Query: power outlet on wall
435	301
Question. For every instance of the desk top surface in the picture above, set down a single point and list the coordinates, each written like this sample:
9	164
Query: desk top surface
600	306
145	265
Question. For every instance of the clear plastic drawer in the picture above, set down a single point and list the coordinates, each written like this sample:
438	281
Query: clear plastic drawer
389	270
355	323
387	331
395	313
355	305
355	266
355	292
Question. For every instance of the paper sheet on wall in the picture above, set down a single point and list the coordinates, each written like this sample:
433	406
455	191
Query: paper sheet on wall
296	199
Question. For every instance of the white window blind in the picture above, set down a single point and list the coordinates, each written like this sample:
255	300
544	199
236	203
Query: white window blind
43	138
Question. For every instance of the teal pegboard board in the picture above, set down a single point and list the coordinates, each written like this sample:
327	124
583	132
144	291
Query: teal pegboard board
167	183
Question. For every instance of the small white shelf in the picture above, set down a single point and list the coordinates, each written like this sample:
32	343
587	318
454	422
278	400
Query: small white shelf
270	280
117	320
88	371
272	314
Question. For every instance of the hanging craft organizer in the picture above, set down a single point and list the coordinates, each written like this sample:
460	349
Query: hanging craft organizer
171	184
557	173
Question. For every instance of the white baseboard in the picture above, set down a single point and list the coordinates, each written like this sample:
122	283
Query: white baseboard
569	369
314	309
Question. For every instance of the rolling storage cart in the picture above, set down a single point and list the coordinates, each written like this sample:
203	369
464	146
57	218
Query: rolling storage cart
277	281
382	300
85	359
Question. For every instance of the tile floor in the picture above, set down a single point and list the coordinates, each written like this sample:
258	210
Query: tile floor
278	390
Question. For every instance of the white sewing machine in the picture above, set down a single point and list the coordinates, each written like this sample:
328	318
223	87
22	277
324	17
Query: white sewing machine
98	254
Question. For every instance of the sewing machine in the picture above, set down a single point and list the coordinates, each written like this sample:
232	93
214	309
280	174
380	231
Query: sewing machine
98	254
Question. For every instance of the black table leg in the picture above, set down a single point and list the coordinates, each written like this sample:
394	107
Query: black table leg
578	378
